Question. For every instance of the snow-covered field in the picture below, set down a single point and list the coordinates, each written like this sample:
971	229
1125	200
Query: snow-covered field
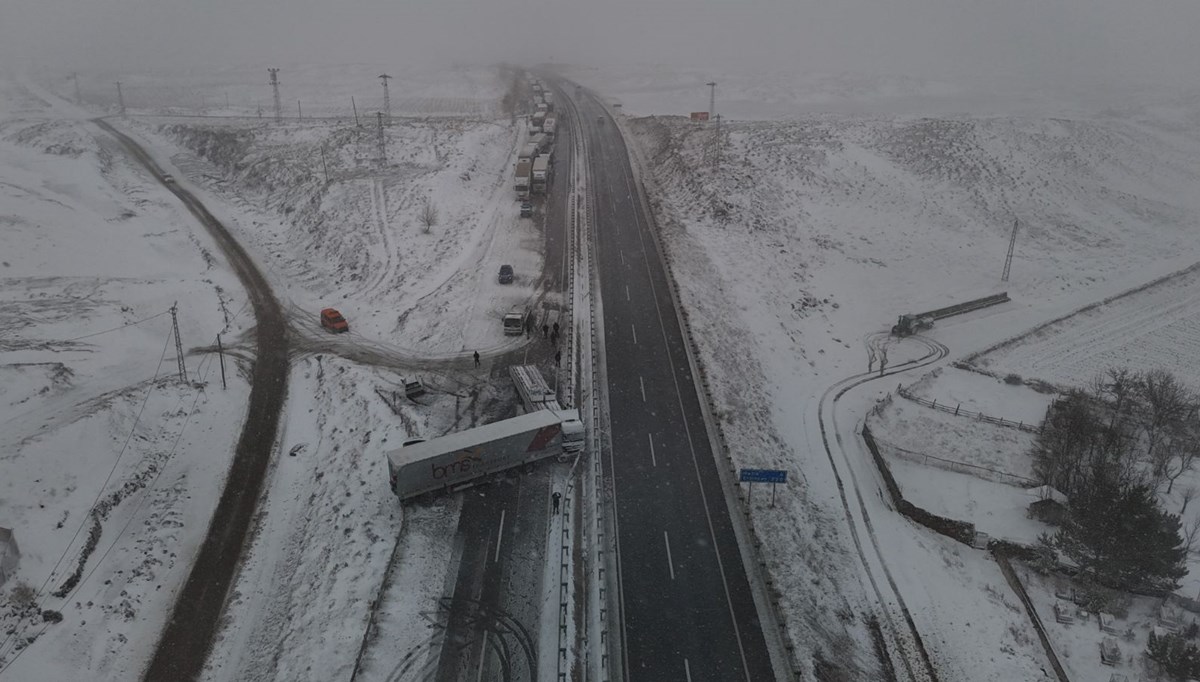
812	236
111	465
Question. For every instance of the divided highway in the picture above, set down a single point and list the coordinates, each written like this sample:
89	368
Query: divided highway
687	610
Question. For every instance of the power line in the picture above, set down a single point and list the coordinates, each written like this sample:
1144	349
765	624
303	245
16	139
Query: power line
99	493
117	329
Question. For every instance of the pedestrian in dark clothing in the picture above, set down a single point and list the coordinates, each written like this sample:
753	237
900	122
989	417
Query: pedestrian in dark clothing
554	338
555	327
476	358
558	358
556	497
545	330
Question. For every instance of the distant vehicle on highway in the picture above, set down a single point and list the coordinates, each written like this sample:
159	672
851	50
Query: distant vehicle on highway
506	274
526	210
169	179
332	320
600	119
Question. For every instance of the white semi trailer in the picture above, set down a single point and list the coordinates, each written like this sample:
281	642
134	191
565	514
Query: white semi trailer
460	460
541	173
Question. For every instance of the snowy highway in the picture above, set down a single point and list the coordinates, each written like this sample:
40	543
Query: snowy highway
687	610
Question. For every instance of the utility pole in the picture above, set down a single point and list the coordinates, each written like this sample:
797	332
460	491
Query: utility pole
221	354
324	166
382	140
78	97
178	343
355	106
1012	242
120	99
275	88
299	113
387	100
712	98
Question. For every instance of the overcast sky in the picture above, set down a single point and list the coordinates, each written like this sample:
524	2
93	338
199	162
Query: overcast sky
1036	41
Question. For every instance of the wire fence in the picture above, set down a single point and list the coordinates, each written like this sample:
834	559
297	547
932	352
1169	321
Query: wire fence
957	411
979	470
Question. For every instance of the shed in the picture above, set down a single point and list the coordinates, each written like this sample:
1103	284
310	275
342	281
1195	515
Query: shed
10	555
1049	505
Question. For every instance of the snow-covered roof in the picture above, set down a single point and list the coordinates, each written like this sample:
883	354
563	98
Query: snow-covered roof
1046	492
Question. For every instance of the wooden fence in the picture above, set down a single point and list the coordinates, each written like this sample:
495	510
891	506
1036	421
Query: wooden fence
957	411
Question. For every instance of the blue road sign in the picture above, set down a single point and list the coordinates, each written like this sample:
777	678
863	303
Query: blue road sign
763	476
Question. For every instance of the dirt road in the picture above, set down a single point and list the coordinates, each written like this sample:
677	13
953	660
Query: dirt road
188	635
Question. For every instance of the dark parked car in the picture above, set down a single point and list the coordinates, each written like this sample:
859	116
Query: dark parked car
526	210
506	274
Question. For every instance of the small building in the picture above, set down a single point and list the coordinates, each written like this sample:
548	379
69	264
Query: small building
1110	653
1049	505
1063	613
10	555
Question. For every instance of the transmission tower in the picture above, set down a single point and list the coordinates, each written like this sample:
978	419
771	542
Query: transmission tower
382	139
1012	242
178	343
275	87
387	100
120	99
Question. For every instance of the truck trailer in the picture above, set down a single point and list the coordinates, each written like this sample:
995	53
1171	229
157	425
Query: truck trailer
460	460
541	173
536	121
550	124
524	167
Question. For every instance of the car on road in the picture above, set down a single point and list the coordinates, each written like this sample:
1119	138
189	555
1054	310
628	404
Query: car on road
169	179
332	320
526	210
506	274
600	119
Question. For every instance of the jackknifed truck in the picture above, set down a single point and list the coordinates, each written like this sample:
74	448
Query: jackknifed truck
460	460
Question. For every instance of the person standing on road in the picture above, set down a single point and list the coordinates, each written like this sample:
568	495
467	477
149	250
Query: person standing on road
476	358
556	328
545	330
558	358
554	338
556	497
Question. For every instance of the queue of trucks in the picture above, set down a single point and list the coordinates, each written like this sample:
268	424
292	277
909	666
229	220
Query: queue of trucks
534	165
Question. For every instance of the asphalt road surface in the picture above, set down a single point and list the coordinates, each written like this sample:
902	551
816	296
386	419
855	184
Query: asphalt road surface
185	642
687	612
494	611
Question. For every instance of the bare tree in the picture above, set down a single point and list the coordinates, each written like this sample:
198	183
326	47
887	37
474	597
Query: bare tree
428	217
1179	455
1165	405
882	355
1118	387
1189	494
1191	537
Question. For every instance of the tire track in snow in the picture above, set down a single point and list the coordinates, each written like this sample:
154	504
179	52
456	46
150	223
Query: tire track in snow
859	520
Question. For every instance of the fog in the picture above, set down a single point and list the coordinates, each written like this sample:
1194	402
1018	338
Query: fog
1040	42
